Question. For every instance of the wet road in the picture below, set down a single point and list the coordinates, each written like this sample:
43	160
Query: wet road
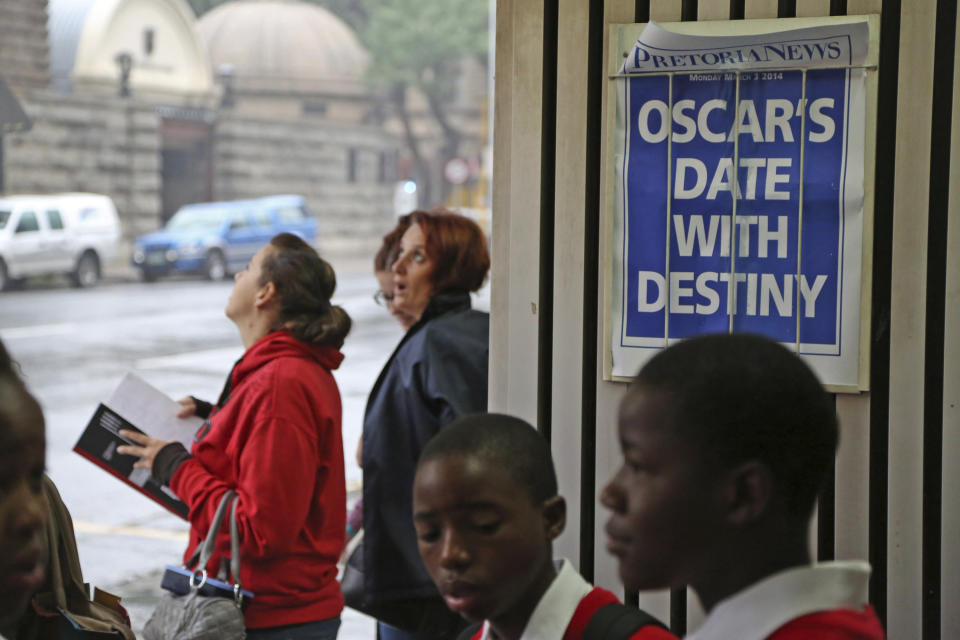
74	346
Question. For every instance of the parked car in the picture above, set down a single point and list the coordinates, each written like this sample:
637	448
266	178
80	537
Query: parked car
219	238
69	233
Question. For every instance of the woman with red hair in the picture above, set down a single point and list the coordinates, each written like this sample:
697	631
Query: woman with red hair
437	374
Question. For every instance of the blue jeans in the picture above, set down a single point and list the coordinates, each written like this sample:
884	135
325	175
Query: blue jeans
320	630
392	633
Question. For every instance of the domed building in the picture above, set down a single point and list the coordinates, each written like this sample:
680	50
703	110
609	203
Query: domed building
91	41
287	58
141	101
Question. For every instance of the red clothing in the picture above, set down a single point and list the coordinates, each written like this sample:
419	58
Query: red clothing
277	442
839	624
595	600
589	605
826	601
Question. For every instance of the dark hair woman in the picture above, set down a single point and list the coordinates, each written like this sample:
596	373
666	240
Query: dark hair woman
437	373
274	437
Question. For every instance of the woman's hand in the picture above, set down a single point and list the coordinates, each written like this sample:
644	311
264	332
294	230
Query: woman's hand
147	449
188	407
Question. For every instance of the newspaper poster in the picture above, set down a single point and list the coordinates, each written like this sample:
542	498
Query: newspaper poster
739	195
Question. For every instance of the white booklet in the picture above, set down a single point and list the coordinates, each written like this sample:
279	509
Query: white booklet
138	406
154	412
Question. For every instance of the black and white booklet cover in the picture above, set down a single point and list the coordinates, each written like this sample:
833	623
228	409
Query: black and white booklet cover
137	406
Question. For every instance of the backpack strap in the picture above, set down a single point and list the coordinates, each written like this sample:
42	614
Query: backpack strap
470	632
617	621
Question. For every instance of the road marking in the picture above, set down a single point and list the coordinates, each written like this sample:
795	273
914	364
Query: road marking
38	331
188	358
132	531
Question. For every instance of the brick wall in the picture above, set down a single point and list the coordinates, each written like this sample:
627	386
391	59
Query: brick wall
89	143
254	157
24	52
102	144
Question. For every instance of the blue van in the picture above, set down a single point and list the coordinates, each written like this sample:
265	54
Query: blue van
219	238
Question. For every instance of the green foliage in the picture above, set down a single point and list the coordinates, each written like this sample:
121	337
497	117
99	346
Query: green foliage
200	7
420	42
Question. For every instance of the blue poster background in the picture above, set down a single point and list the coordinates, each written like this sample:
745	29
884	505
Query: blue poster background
783	265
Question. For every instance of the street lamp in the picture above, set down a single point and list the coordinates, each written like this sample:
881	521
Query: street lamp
225	72
125	61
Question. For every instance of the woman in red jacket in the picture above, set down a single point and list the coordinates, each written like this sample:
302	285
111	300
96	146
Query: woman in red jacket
275	438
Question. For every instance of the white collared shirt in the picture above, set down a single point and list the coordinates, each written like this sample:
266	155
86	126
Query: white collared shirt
555	610
762	608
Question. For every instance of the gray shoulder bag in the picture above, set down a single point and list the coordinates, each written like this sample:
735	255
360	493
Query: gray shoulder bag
196	607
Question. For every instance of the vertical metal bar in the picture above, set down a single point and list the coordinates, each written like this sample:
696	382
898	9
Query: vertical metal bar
887	76
689	10
935	332
678	611
641	11
591	294
838	7
737	9
787	9
548	174
803	146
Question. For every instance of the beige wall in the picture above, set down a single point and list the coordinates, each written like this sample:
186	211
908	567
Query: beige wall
516	338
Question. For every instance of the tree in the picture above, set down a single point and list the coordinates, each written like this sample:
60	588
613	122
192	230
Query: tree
200	7
420	44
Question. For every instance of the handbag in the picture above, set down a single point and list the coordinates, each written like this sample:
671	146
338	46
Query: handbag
354	592
351	576
195	606
423	616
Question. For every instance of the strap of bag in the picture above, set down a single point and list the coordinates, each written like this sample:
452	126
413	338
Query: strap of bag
471	631
617	621
235	554
204	551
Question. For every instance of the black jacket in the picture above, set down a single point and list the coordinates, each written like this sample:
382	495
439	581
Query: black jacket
437	373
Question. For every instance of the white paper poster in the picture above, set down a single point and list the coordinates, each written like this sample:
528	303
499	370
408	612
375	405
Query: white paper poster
739	197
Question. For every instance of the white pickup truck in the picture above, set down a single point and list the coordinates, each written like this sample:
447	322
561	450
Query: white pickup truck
68	233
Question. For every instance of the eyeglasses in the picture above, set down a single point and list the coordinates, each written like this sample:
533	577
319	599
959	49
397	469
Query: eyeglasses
382	298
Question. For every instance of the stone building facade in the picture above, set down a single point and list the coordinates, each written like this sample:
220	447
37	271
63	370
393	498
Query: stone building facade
152	151
24	52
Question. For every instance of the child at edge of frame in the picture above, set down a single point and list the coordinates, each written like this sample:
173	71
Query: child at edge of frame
726	442
486	511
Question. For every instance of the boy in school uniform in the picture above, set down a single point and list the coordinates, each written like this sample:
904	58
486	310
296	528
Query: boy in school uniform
726	443
486	511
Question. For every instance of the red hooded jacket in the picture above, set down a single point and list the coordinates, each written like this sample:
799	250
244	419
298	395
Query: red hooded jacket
277	442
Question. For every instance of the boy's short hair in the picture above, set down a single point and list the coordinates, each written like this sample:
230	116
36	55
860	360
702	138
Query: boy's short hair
747	397
509	442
